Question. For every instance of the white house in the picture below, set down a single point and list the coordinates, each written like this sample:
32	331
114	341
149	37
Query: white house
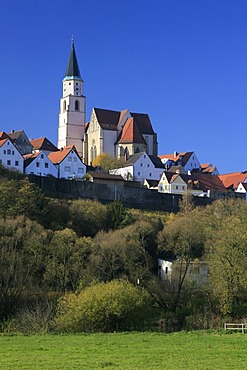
242	188
68	163
10	156
188	160
140	166
39	164
43	144
170	270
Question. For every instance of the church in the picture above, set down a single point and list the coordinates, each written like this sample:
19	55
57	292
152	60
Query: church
119	134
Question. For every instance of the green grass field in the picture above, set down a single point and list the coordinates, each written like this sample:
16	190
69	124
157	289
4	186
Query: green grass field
192	350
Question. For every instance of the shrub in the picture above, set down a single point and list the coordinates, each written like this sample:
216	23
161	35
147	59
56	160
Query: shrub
116	305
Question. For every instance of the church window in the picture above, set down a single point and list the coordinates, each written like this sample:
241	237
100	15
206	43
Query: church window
77	105
76	83
69	83
64	105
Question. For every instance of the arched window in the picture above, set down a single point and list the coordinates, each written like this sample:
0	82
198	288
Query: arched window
77	105
64	105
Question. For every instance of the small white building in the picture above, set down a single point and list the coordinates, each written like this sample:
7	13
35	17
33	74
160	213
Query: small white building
68	163
10	156
39	164
170	270
140	166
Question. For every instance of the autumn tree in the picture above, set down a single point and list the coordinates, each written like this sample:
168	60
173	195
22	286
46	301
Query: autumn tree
106	162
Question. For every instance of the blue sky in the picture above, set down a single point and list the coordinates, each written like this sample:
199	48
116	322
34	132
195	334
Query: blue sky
184	62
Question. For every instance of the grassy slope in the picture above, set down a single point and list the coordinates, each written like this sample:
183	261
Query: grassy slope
193	350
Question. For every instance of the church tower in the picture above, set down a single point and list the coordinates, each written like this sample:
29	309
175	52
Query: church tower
72	106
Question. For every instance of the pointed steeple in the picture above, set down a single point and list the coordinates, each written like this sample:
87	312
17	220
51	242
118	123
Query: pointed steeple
72	71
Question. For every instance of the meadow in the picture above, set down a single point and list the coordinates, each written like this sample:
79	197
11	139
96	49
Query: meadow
184	350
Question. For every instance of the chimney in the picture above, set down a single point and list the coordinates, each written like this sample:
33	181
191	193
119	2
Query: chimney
175	154
12	131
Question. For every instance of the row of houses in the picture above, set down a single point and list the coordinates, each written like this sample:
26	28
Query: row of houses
39	157
178	173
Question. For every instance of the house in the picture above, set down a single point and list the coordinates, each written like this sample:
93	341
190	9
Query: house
44	145
105	178
209	168
68	163
169	270
188	160
21	141
120	134
197	184
242	188
39	164
151	184
10	156
140	166
232	180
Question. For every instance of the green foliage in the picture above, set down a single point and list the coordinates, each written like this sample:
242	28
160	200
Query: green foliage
116	305
67	257
118	215
87	217
21	245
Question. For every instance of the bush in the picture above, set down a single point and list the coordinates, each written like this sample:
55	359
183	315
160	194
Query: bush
116	305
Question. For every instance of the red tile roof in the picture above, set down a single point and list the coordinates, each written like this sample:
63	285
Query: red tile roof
3	135
131	133
180	158
2	141
58	157
43	144
231	180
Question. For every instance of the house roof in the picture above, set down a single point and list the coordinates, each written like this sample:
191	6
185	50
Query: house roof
28	158
133	158
108	119
178	158
152	183
15	134
43	143
105	176
58	157
231	180
3	135
156	161
72	70
3	141
198	180
144	123
131	133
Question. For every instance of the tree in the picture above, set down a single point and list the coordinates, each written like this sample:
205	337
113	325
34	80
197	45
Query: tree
22	244
227	262
116	305
67	257
117	215
106	162
87	217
